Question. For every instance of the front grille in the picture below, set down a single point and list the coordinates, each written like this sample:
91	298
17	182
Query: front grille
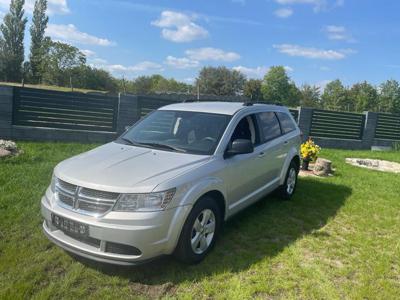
84	200
122	249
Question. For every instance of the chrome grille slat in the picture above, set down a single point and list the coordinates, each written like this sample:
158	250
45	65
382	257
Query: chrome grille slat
89	199
84	200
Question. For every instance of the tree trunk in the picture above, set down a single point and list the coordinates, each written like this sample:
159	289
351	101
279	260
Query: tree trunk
322	167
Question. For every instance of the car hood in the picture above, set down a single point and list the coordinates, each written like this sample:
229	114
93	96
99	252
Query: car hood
123	168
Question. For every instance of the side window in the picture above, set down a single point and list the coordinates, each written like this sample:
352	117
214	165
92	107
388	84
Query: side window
246	130
269	126
287	123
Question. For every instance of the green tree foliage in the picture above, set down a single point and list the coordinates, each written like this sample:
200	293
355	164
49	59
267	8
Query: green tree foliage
12	41
335	97
364	96
37	30
220	81
310	96
91	78
389	96
278	88
252	90
153	84
60	62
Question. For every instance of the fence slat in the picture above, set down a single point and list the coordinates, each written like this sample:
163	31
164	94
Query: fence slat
332	124
53	109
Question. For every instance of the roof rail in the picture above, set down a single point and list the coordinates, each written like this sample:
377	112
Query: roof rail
247	103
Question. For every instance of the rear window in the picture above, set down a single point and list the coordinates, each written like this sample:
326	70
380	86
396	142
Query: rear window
287	123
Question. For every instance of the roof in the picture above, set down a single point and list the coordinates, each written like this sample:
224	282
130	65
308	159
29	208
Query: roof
225	108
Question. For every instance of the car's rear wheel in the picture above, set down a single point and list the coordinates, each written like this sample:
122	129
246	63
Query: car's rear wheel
199	232
287	190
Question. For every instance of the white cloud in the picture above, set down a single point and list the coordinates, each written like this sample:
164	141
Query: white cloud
315	53
209	53
179	28
338	33
53	6
88	53
257	72
69	33
181	63
318	5
288	69
283	12
121	70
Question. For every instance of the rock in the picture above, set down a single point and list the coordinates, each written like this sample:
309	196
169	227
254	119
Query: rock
4	153
322	167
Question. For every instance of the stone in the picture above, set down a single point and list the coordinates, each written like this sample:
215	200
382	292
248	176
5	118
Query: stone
375	164
322	167
4	153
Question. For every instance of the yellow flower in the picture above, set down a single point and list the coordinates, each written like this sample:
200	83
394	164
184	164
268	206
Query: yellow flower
309	150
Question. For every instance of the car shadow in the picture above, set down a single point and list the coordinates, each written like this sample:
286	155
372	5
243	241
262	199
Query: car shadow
259	232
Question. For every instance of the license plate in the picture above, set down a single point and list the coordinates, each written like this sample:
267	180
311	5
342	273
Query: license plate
68	226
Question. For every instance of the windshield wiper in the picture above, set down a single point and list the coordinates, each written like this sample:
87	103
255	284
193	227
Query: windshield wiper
162	146
128	141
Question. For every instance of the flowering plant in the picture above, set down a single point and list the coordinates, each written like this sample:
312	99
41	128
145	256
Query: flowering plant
309	150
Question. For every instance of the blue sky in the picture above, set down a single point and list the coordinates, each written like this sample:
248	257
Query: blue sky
316	40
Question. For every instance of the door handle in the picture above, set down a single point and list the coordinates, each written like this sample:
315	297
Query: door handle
261	154
286	142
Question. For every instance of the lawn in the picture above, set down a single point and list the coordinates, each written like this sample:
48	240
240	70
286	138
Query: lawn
338	239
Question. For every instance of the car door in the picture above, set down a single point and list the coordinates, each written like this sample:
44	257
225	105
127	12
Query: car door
243	172
273	154
288	127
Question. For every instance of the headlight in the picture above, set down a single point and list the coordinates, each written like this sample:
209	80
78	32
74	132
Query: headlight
144	202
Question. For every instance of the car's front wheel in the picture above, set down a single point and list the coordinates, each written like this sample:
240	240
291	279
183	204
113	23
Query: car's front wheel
199	232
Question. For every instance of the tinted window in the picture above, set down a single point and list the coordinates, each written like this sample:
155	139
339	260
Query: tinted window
287	123
269	126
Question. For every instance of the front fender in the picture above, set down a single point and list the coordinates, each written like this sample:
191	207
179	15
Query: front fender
291	154
202	187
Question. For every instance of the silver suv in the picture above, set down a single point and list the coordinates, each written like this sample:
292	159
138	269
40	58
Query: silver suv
170	181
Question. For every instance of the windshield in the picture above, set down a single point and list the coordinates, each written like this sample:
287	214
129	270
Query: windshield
180	131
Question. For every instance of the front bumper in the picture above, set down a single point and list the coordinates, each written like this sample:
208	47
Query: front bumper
153	233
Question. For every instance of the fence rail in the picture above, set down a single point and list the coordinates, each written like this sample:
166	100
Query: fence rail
53	109
332	124
388	127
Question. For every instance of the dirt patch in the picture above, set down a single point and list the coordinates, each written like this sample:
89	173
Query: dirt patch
152	291
375	164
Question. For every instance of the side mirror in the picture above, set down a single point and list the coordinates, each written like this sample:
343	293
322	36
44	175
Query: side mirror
239	146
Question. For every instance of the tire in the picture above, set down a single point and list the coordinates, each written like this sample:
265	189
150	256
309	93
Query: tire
286	191
195	242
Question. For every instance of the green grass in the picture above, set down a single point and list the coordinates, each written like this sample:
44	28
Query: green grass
338	239
50	87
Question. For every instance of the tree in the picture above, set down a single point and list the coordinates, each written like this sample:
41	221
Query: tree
310	96
389	96
278	88
38	27
335	97
60	62
220	81
12	41
252	90
364	96
91	78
